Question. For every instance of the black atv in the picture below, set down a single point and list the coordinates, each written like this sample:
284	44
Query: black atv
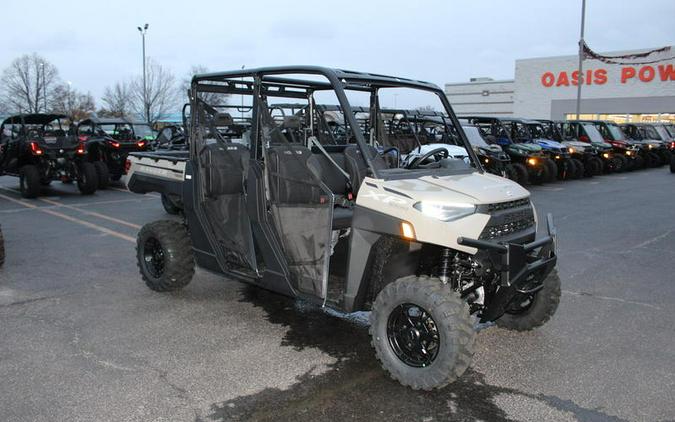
649	136
38	149
588	154
637	154
109	141
492	157
527	159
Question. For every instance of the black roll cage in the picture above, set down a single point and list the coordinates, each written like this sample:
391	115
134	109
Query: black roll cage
269	82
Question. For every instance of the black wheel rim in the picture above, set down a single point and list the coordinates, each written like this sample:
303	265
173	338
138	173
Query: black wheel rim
413	335
153	257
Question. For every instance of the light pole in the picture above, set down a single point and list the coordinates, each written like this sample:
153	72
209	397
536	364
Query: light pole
146	107
44	87
580	78
242	95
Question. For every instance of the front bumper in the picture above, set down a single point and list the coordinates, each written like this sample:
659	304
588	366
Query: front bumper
516	264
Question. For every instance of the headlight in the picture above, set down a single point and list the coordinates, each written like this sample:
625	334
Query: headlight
629	152
605	154
571	150
444	211
532	161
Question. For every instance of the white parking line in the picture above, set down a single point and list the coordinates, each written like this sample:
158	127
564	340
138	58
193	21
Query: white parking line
71	219
92	213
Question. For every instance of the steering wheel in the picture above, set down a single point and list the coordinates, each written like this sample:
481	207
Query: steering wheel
415	163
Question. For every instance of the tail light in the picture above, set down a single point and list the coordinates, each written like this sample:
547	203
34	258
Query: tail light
140	144
35	149
672	145
127	166
83	138
80	149
114	144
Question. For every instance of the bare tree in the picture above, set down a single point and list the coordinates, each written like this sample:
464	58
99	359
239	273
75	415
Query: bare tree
161	97
211	98
27	83
71	102
117	100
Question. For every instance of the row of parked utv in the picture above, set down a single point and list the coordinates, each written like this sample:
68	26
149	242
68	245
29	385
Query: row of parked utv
42	148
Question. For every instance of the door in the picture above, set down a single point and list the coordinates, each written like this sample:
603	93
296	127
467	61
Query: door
222	167
300	204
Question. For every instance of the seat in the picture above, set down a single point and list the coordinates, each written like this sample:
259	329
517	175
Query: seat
289	175
356	165
225	168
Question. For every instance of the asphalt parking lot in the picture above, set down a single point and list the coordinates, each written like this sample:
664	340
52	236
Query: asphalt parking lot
83	339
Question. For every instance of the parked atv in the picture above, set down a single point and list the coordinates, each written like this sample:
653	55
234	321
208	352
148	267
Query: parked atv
657	141
588	134
171	137
527	159
38	149
531	131
587	153
636	154
109	141
422	247
492	157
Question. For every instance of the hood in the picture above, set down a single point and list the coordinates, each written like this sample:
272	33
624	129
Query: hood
453	150
577	145
549	144
525	147
489	148
474	187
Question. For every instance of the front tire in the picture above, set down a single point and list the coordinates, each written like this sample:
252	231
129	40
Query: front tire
552	170
29	181
164	255
422	332
87	180
526	313
522	176
103	174
672	163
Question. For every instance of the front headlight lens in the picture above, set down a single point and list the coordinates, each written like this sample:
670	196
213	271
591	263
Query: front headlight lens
444	211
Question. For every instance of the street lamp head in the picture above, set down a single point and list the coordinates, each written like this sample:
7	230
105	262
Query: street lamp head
146	26
139	29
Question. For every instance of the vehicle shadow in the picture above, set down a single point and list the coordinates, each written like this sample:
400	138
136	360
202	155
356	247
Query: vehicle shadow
355	387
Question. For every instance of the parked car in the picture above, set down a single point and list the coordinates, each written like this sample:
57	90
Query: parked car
40	148
108	141
422	247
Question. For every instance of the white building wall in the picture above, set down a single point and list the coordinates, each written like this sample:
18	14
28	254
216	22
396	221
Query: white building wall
487	98
533	99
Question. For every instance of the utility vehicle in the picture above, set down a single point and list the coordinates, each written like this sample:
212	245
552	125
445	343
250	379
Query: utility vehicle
527	159
584	152
655	138
40	148
422	247
171	137
492	157
634	154
588	134
109	141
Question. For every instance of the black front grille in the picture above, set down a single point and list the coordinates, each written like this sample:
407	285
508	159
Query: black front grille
493	231
507	205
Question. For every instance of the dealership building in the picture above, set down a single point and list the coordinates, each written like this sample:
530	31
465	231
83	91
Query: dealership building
546	88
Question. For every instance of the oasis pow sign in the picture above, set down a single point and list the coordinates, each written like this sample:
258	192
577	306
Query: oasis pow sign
646	73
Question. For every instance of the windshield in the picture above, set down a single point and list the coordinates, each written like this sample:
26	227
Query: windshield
143	130
671	130
118	131
537	130
617	133
474	136
593	133
662	132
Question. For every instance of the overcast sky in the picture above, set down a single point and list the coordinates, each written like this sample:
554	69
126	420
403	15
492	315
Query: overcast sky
438	41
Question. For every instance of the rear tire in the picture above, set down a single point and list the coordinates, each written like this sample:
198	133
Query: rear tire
594	167
103	174
521	171
169	206
164	255
552	170
539	310
542	176
29	181
87	179
407	314
579	169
